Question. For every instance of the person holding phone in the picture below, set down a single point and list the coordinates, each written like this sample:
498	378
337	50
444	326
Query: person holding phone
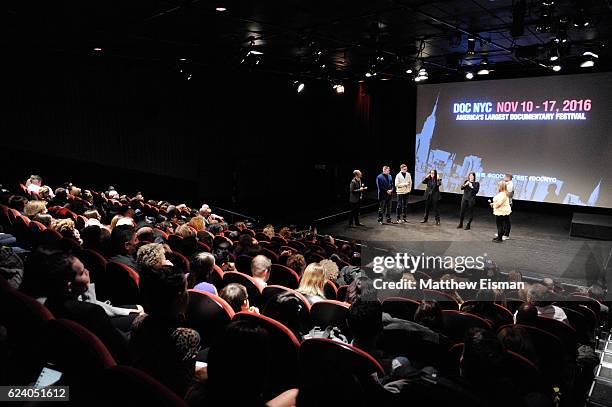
384	182
470	189
432	195
355	195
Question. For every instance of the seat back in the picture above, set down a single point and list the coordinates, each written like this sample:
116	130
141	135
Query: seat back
330	313
342	291
283	275
25	320
324	362
76	352
457	323
208	314
330	290
446	301
269	254
402	308
284	348
119	285
565	333
247	281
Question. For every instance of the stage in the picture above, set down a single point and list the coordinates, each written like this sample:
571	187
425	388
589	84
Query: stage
539	245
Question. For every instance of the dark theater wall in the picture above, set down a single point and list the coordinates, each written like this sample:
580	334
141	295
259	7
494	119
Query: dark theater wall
238	139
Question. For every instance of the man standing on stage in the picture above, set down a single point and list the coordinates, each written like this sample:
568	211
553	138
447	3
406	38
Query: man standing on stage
384	182
510	190
432	195
355	194
403	186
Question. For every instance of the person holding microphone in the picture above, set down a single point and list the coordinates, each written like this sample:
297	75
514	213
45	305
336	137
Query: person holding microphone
470	189
501	210
355	195
432	195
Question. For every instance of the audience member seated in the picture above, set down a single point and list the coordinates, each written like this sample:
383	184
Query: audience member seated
96	238
67	294
202	265
364	320
330	269
540	296
152	256
260	270
124	246
517	340
297	263
312	283
526	314
159	344
33	208
429	314
362	288
237	297
286	308
67	229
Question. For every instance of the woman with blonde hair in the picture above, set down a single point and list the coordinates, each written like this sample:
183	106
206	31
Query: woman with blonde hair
33	208
501	210
312	282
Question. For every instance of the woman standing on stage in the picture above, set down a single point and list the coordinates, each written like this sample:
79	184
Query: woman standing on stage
470	189
501	210
432	195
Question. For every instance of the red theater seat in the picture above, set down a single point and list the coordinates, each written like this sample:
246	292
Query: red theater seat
208	314
283	275
402	308
120	284
457	323
330	313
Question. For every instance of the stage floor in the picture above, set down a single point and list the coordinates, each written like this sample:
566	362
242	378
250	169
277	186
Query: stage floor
539	245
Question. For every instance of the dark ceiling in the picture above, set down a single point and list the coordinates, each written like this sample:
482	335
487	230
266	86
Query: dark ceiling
322	39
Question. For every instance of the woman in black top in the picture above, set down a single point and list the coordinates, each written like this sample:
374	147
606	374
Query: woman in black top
470	189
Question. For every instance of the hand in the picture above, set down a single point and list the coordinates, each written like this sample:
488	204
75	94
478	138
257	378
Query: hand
389	192
254	310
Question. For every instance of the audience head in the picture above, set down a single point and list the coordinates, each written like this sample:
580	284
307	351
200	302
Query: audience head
145	234
527	314
164	291
17	202
43	218
66	228
151	255
202	265
361	288
269	231
260	267
483	357
123	240
95	238
297	263
539	295
33	208
429	314
236	296
365	322
185	231
288	309
197	223
313	280
66	276
330	268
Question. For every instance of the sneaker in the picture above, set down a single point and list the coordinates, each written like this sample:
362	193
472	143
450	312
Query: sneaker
380	221
389	220
505	237
405	220
496	240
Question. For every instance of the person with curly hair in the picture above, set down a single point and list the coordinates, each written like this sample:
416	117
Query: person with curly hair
152	255
67	229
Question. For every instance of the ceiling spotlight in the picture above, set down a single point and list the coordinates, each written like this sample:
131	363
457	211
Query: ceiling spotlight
339	88
408	71
590	54
556	68
589	59
221	9
422	75
589	63
469	75
97	49
299	86
371	72
582	19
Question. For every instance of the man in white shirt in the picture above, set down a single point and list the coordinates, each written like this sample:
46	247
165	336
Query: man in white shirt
403	186
540	296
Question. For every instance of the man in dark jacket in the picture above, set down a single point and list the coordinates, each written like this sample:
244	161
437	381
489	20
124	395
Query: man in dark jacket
385	185
470	189
355	193
432	195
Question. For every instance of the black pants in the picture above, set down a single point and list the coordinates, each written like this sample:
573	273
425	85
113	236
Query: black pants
508	226
402	205
354	216
467	209
384	207
502	224
432	204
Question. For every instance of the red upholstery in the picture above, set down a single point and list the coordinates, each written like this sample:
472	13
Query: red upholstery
330	290
457	323
402	308
273	290
284	347
247	281
319	353
283	275
94	262
125	385
208	314
120	284
330	313
342	292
